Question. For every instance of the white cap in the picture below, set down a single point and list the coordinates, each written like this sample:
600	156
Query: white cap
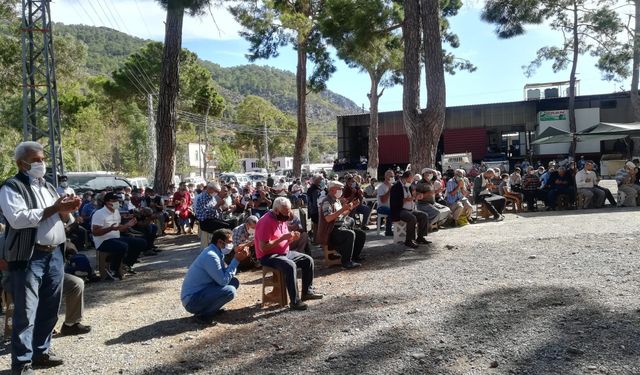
332	184
426	170
630	164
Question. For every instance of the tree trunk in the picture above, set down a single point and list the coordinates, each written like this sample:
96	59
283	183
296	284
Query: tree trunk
635	77
374	97
301	88
167	100
572	81
411	114
433	121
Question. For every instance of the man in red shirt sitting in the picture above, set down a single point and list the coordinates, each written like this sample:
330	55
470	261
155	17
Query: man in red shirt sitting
272	239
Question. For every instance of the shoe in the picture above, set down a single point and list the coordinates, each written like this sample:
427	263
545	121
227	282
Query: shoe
76	329
24	370
411	244
204	320
388	234
129	270
334	256
108	276
499	218
359	259
93	278
150	253
47	360
311	295
423	241
366	229
300	306
351	265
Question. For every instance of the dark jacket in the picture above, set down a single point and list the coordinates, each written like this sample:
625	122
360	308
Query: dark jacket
312	195
19	243
396	200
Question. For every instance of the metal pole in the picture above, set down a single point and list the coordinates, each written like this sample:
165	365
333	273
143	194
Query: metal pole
266	144
206	139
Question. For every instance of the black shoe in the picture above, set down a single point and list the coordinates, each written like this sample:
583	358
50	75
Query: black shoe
204	320
108	276
388	234
411	244
24	370
300	306
423	241
47	360
93	278
351	265
76	329
498	218
359	259
311	295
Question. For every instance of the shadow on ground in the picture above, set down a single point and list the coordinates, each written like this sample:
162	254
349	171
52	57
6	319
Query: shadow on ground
533	330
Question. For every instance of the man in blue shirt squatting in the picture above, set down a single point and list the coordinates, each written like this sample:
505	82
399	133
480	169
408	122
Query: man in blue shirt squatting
210	283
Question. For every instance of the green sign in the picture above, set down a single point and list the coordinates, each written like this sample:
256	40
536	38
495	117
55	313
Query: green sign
553	116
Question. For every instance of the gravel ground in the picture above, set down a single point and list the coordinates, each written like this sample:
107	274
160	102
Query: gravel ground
544	293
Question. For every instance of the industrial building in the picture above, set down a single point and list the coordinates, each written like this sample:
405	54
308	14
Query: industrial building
490	129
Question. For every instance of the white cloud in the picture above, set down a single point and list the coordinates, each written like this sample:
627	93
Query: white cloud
143	18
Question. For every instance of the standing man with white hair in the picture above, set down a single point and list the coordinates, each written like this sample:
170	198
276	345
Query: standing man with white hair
272	241
33	249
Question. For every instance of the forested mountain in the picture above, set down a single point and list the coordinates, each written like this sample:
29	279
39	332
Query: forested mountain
107	48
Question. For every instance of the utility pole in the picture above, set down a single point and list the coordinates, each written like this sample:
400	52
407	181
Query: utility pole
206	140
266	144
151	133
40	110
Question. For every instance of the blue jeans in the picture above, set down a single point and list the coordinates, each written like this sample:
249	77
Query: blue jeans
127	248
209	300
288	264
37	291
386	211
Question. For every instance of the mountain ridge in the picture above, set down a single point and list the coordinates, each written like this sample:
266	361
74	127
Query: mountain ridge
108	48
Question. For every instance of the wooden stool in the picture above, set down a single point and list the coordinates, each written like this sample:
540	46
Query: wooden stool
278	293
399	231
482	211
7	301
331	257
102	260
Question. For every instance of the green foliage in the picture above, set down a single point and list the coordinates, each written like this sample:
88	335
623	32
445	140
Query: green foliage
596	24
255	112
227	158
269	25
106	47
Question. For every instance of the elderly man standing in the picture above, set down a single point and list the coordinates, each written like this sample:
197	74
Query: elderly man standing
402	206
272	241
586	182
34	236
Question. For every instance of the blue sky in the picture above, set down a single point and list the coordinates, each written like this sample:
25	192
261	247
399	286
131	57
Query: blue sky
499	76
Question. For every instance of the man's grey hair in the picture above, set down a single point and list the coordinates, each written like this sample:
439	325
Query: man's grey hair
281	202
23	149
251	220
460	172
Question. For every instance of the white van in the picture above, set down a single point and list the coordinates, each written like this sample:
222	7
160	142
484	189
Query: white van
139	182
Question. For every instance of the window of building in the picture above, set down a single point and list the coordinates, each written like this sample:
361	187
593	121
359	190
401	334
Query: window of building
608	104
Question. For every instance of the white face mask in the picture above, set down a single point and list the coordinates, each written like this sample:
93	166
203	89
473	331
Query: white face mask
115	206
228	248
407	184
38	169
338	194
251	231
